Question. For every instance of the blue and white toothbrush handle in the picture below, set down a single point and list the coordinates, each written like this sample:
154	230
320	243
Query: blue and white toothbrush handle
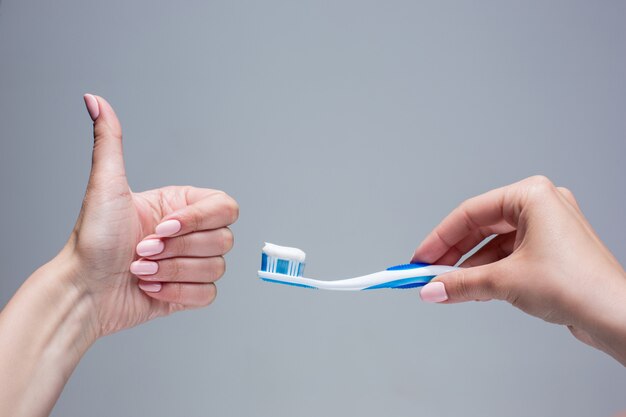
399	276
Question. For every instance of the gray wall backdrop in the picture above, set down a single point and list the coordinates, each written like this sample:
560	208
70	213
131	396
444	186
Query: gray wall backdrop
376	119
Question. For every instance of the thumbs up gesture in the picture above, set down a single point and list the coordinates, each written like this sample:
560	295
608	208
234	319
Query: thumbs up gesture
144	255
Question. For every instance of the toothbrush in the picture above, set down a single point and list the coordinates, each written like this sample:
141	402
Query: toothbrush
284	265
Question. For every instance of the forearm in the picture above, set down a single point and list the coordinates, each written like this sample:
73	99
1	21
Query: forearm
44	331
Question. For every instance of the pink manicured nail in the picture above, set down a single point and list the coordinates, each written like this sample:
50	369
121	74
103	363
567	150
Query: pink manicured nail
168	228
434	292
150	286
144	268
150	247
92	106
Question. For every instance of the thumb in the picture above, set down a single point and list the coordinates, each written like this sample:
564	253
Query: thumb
108	157
480	283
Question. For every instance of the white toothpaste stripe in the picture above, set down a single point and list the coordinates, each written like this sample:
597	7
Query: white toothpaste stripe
284	252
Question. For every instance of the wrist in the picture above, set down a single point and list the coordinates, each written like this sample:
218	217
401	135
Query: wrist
46	328
607	324
62	281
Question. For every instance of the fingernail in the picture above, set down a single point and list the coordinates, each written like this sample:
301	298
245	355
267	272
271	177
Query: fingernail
92	106
150	286
434	292
168	228
150	247
144	267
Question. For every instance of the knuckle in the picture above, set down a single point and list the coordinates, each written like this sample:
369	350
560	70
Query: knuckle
468	202
105	131
233	209
220	197
228	240
190	218
464	204
211	294
231	206
463	211
540	186
440	237
176	267
182	244
178	294
172	269
172	189
511	289
196	216
219	268
461	286
482	287
567	193
541	182
500	289
565	190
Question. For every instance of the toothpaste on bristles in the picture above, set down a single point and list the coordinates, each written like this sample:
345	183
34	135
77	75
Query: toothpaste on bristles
282	260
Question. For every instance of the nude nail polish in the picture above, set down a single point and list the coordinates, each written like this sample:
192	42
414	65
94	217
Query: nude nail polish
92	106
144	268
434	292
168	228
150	286
150	247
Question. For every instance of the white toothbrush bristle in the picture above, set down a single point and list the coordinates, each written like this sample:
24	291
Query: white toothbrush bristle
282	266
282	260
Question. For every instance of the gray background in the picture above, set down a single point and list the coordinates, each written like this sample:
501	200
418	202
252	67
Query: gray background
346	128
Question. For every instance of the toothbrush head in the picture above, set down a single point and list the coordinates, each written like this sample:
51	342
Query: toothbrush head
282	260
283	265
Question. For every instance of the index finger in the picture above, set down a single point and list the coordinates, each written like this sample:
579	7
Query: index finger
206	210
486	210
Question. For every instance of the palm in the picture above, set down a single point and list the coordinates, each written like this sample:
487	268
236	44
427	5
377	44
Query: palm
113	227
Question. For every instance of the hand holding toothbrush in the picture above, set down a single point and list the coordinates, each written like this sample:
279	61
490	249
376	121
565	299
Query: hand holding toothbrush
130	258
546	260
